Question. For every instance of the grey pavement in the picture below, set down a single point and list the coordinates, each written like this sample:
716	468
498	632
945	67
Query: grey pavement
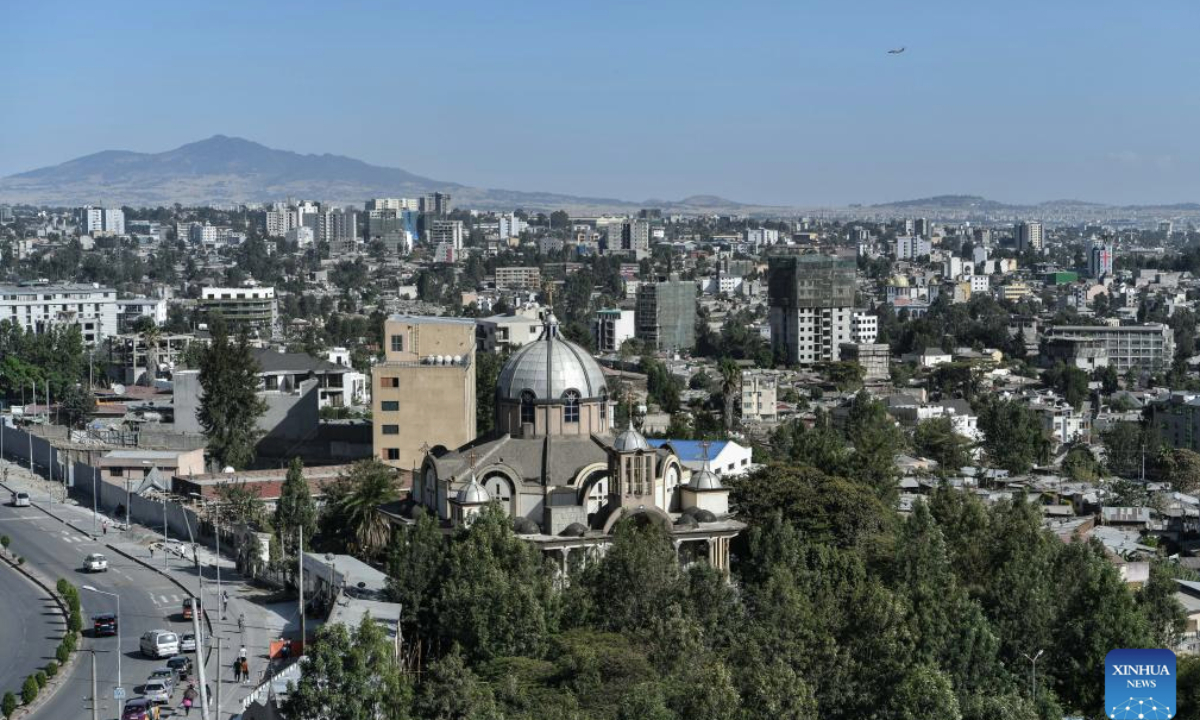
265	619
30	643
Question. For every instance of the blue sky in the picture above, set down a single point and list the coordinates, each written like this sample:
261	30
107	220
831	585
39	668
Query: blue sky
774	102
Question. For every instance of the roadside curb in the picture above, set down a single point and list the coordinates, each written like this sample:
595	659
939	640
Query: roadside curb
167	575
53	685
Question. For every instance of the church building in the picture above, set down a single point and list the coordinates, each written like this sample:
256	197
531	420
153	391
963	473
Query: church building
565	475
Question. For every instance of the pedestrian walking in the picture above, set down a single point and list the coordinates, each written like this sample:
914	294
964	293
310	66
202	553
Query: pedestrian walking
224	601
105	525
237	670
151	552
242	653
245	670
189	699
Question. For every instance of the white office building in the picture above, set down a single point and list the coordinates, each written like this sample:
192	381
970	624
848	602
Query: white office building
511	226
37	308
864	328
449	232
912	247
100	220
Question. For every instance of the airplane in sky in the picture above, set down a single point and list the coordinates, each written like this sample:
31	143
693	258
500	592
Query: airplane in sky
896	52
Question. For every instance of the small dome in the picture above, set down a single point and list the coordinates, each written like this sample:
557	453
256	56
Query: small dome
574	530
704	516
630	440
705	479
899	281
525	526
685	521
473	493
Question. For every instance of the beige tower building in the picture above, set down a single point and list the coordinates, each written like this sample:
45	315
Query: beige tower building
424	390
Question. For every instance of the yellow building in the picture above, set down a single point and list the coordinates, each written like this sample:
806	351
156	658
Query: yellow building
424	390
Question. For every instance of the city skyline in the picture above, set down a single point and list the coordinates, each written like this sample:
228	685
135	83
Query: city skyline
762	103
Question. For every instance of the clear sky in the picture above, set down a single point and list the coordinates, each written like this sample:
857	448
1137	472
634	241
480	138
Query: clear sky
775	102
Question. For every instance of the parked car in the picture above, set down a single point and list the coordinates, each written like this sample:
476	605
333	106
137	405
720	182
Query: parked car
187	642
182	665
187	607
20	499
140	709
160	644
157	691
104	624
95	563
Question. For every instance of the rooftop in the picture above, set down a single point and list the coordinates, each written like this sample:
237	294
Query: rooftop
431	320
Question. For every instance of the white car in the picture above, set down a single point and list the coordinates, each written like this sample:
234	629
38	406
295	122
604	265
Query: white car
187	642
20	499
160	644
95	563
157	691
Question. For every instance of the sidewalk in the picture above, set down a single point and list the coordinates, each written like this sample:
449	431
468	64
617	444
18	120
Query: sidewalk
266	620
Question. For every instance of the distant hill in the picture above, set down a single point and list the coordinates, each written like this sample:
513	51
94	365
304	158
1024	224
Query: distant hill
225	169
948	202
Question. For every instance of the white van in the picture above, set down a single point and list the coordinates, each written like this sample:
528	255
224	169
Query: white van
160	644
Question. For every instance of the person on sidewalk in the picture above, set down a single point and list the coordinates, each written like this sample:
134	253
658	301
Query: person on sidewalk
237	669
151	552
242	653
245	671
189	698
105	525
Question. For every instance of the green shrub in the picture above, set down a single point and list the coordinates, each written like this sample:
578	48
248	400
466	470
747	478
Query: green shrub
40	677
51	669
20	559
62	586
5	540
71	641
62	652
9	704
29	690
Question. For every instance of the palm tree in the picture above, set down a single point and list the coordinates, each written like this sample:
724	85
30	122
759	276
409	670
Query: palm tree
150	338
731	387
370	484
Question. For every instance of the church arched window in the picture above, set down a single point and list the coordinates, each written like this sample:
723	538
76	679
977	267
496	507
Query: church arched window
527	407
571	406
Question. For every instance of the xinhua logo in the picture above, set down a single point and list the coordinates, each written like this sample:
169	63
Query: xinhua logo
1139	685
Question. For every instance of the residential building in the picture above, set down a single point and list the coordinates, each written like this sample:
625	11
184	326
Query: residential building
518	278
337	385
100	220
449	232
437	204
398	229
665	318
1149	347
811	299
1028	236
397	205
509	331
423	393
912	247
37	308
875	359
130	310
253	308
724	458
511	226
202	234
1100	259
864	328
762	237
339	228
613	327
631	237
303	236
760	397
135	467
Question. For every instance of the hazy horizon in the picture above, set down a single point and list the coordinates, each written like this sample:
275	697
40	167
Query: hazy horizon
759	103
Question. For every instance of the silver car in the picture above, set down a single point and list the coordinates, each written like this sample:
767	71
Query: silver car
157	691
187	642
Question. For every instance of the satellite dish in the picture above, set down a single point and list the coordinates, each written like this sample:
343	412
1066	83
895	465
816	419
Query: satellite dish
119	389
228	469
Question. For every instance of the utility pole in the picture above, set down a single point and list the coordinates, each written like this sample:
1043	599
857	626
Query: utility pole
95	489
300	575
95	698
198	608
219	667
28	429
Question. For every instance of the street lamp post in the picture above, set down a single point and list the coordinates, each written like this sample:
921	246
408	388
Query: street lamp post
1033	672
120	621
95	490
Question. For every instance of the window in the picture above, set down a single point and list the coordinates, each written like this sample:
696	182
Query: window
116	472
389	382
390	406
393	454
391	429
571	408
527	407
397	343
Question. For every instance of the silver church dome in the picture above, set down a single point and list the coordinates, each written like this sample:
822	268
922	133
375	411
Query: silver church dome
630	440
705	479
550	367
473	493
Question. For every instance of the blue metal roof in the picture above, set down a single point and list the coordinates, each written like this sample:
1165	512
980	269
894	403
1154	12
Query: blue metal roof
690	450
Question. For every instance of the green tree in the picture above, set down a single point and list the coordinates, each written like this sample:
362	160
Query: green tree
937	439
1181	468
1156	600
876	439
9	704
241	503
731	391
1080	465
1012	435
416	567
636	581
1124	446
295	510
450	690
230	405
487	372
351	516
924	693
350	674
29	691
77	404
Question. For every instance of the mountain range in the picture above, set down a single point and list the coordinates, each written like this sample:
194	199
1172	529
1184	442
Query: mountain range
225	169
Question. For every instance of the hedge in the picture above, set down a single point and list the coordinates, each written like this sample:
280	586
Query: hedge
29	690
9	704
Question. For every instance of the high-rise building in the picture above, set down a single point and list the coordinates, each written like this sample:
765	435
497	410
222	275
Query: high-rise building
1100	259
912	247
611	328
436	204
511	226
250	308
100	220
339	228
631	237
396	204
449	232
666	314
202	234
518	278
1028	236
811	305
423	393
921	227
396	228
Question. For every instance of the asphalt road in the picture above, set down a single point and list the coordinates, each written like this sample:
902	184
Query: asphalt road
27	644
149	601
